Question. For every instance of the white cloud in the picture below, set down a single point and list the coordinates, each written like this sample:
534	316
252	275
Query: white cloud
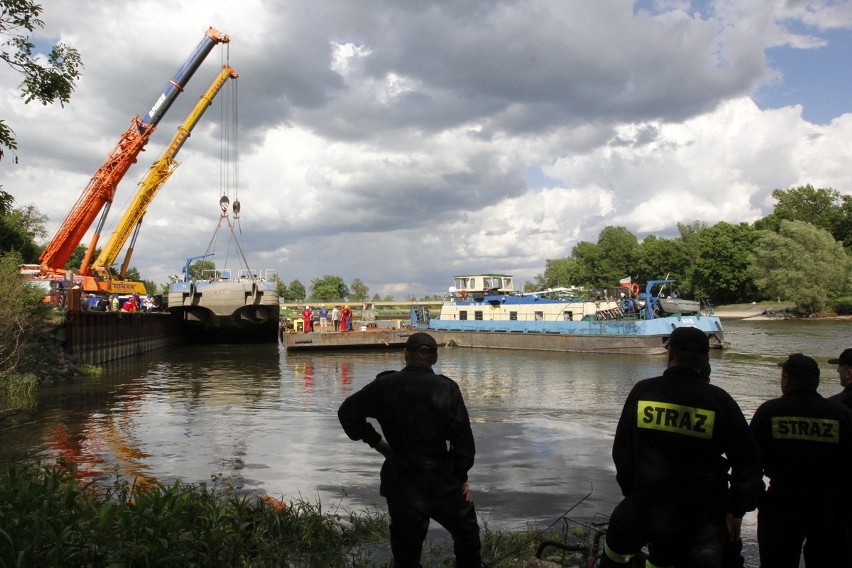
400	144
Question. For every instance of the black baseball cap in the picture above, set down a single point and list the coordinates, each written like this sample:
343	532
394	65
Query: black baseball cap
690	339
799	365
844	359
421	343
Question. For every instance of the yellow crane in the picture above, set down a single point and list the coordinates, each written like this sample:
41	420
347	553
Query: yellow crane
115	283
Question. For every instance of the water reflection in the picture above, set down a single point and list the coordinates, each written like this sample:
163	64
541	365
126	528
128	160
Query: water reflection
265	420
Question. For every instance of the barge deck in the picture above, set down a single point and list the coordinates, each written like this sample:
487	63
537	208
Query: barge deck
378	338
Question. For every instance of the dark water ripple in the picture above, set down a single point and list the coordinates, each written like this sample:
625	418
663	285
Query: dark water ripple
263	420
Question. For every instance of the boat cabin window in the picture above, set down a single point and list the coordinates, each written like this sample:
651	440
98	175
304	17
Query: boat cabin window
569	315
477	315
539	316
462	314
513	316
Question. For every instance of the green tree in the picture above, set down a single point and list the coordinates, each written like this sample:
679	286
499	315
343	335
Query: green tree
801	263
603	263
376	298
48	77
201	269
296	291
563	272
328	288
617	248
76	258
19	228
844	228
23	317
689	233
6	202
658	258
821	207
359	290
722	263
280	287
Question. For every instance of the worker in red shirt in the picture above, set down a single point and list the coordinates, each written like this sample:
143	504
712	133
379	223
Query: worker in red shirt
307	314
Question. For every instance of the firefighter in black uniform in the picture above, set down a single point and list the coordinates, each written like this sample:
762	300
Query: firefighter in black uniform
676	440
428	453
806	450
844	369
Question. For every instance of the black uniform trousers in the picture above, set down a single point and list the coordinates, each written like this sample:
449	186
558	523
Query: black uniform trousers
682	532
788	519
409	523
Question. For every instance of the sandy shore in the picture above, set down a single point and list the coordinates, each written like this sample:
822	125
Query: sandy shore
752	311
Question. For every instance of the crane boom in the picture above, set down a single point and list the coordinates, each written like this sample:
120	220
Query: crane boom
99	193
156	177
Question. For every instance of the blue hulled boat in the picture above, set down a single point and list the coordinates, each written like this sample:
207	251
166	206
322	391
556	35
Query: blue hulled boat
484	310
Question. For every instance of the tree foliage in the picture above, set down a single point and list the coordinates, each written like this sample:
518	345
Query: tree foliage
563	272
202	269
722	263
19	228
689	241
359	290
663	258
801	263
328	288
23	315
47	77
296	292
617	248
280	286
606	262
822	207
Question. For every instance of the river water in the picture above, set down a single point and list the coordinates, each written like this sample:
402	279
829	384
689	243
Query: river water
264	420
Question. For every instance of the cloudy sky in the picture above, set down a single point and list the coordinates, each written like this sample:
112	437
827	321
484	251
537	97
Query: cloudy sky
402	142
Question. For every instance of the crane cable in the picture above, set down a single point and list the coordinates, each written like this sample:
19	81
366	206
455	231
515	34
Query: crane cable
229	170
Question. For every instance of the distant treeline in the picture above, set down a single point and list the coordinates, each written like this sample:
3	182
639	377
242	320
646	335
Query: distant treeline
800	253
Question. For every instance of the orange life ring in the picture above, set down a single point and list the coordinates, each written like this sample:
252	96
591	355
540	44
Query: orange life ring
463	295
634	289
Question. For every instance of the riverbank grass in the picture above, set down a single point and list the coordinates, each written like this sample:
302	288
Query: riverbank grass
50	517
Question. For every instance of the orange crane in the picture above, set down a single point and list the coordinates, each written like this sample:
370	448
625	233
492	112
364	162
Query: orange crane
97	196
131	220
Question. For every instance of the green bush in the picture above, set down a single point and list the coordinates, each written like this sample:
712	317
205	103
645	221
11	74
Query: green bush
48	517
843	306
20	390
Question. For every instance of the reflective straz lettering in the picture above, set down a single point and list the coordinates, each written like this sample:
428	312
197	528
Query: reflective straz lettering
675	418
802	428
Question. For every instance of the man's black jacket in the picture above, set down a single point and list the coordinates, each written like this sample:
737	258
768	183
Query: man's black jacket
678	436
424	419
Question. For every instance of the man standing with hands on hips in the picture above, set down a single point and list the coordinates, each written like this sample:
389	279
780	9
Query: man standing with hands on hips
428	453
